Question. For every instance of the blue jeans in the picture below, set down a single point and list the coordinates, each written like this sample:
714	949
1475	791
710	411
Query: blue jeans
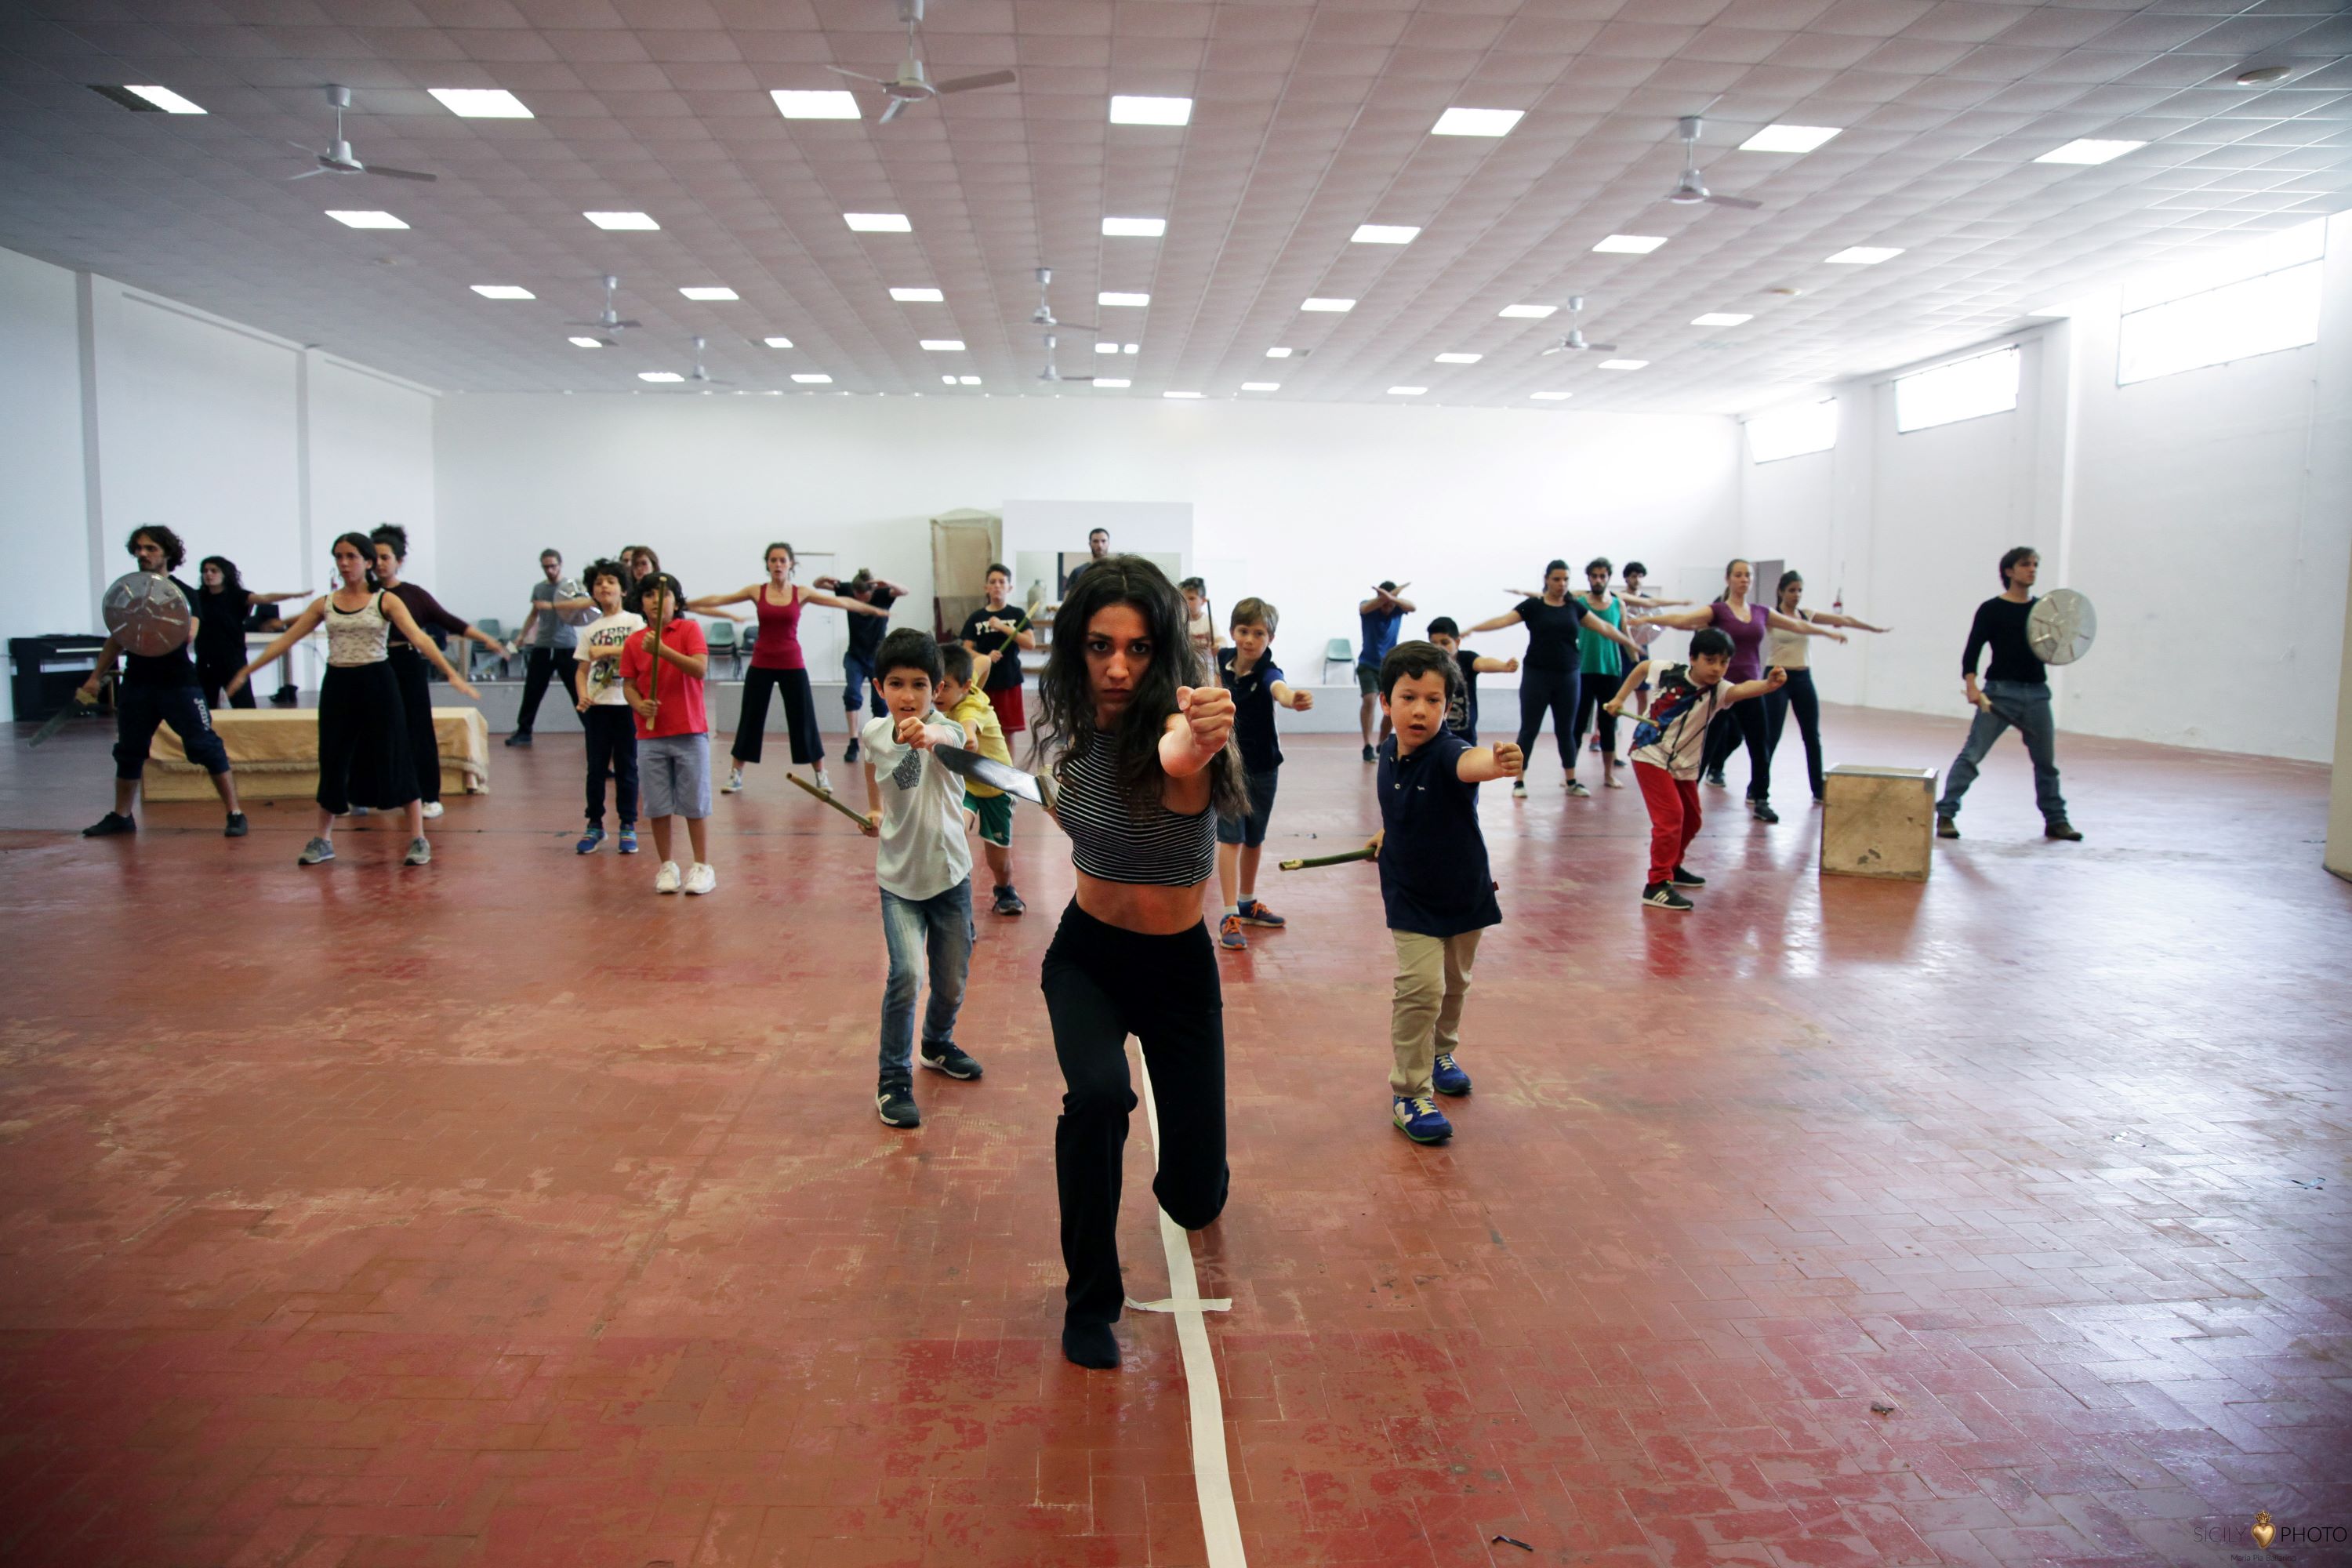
2025	704
940	925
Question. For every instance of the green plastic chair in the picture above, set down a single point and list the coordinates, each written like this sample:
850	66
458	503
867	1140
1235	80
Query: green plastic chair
1339	651
724	638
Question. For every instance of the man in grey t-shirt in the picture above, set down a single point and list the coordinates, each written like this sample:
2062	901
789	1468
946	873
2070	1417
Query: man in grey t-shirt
548	640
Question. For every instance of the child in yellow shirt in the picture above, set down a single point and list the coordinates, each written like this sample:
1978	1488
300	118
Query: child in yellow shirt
969	706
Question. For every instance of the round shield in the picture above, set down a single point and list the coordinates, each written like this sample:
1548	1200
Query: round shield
570	588
147	614
2061	627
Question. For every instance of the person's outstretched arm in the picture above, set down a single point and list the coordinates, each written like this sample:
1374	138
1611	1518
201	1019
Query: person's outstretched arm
1508	618
303	625
1830	618
1631	683
1803	627
1593	623
1481	764
1748	689
400	617
1681	620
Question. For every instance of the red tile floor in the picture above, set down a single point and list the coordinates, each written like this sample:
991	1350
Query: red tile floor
503	1213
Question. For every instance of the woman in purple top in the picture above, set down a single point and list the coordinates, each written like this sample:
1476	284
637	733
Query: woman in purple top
1746	625
391	542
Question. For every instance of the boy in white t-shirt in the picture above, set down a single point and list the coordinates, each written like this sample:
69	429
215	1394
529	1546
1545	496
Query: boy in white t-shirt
924	866
605	711
1668	743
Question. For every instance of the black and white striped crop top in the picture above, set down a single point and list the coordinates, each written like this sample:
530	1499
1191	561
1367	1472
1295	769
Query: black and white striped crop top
1111	839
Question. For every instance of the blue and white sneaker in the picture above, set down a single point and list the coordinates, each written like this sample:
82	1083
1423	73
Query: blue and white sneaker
1420	1120
1256	914
628	844
590	840
1447	1077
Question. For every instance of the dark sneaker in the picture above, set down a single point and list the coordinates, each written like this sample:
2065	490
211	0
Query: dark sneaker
1420	1120
1761	812
850	755
107	826
284	697
1662	896
1256	914
1008	902
1715	779
1229	933
1371	755
316	852
590	840
1090	1345
236	827
1446	1076
2062	828
949	1059
519	738
1946	828
628	841
1685	877
895	1104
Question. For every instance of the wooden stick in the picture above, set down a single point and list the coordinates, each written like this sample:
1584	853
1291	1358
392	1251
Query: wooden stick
831	800
1363	854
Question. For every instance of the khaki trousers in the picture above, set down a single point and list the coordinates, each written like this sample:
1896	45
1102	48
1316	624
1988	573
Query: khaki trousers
1433	982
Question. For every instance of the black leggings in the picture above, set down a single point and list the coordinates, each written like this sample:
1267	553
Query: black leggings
800	714
213	670
416	705
1555	689
1742	721
1592	696
1103	984
1798	693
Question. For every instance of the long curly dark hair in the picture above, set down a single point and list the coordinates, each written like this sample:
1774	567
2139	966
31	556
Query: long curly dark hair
231	583
1066	698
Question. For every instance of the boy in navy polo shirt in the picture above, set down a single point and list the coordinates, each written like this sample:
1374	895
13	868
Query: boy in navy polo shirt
1247	670
1433	877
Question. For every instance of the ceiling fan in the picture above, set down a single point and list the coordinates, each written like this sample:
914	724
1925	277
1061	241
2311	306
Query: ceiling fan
609	321
913	84
1051	374
1689	188
339	158
1043	316
1574	342
700	375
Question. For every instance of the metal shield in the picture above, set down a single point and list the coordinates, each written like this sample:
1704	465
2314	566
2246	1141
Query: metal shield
147	614
2061	627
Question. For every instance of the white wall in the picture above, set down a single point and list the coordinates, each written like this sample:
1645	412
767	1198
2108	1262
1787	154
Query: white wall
2165	501
1305	505
122	407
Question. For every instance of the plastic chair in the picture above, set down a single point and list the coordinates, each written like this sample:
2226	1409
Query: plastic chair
1339	651
722	638
476	652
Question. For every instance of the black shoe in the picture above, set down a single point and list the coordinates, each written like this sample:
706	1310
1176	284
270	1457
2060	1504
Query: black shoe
1761	812
1685	877
1090	1345
1946	828
1715	779
949	1059
850	755
1662	896
1008	902
2062	828
896	1104
1371	755
236	828
285	697
107	826
519	738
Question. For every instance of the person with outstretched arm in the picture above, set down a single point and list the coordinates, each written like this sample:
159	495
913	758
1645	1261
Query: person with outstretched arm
2016	691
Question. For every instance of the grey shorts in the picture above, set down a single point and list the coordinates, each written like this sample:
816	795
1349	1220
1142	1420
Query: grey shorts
1368	679
674	775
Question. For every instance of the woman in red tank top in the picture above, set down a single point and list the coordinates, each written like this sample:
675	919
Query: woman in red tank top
779	666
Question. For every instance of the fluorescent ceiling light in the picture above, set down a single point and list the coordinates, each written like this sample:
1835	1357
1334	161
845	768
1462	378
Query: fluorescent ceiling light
1623	363
710	291
814	378
825	104
1720	319
1106	348
1133	302
659	376
1459	359
1790	138
1129	110
1182	394
1477	123
503	292
587	343
1407	391
1334	307
1384	233
2089	150
1527	312
1260	387
1552	397
164	98
943	346
1630	244
1131	348
777	343
1863	256
918	296
967	381
879	223
480	102
1277	354
1111	381
365	219
1134	227
621	220
947	381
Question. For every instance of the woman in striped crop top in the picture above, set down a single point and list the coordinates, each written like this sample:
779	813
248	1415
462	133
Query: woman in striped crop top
1145	762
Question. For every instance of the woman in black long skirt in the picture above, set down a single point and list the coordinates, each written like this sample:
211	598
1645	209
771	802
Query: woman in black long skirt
391	542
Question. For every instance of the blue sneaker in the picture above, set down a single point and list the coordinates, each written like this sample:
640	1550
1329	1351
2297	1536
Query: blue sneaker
1256	914
1229	933
1420	1120
1447	1077
588	840
628	845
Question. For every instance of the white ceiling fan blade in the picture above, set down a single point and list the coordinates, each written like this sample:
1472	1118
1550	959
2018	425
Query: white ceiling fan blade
1602	348
859	75
1742	203
398	173
892	110
309	174
1557	349
966	83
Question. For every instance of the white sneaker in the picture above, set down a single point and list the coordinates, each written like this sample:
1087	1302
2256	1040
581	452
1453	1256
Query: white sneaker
734	784
1519	789
665	879
701	878
432	808
824	782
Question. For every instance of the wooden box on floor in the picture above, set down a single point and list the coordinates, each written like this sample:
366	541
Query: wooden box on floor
1878	822
275	754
